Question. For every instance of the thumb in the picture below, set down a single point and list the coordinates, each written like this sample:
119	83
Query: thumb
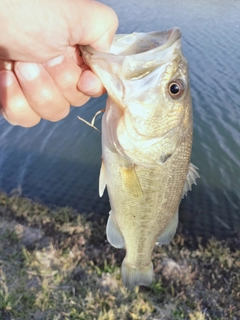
93	24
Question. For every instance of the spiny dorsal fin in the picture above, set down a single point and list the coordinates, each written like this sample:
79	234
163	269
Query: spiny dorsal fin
130	181
102	179
190	179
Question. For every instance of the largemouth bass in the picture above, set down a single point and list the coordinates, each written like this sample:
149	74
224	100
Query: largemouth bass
146	143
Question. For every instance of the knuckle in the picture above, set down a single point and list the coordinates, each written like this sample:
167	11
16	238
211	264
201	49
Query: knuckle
43	97
18	112
79	100
59	115
28	123
68	81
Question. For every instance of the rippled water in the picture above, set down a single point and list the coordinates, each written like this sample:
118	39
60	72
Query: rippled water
58	163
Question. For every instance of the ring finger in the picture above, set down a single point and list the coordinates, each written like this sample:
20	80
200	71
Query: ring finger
15	108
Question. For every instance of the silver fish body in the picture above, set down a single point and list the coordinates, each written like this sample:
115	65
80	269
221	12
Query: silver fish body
146	143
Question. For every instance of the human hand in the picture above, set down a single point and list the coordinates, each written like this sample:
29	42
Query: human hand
41	70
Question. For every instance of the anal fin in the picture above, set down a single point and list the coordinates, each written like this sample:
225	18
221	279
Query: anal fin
130	181
135	276
114	234
169	231
190	179
102	179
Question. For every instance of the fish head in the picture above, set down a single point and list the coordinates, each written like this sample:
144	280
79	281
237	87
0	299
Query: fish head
146	75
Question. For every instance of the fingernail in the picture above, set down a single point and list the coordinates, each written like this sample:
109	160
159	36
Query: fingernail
55	61
6	78
28	71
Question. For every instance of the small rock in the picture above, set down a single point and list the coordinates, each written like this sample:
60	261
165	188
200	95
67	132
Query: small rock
26	235
171	269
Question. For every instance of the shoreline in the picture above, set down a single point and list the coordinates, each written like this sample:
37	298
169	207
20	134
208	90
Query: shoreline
57	264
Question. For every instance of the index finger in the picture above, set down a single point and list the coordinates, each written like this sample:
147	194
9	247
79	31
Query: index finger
98	25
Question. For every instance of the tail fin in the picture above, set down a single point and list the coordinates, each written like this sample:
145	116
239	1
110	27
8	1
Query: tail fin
133	276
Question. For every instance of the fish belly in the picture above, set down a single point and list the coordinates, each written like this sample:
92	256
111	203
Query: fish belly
140	218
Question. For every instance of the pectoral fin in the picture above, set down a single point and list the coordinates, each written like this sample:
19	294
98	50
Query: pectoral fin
130	181
114	235
190	179
169	231
102	179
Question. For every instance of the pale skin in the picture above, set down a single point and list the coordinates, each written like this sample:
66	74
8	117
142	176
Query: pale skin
41	70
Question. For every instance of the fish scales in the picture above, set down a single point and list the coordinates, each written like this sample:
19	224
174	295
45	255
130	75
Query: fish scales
146	143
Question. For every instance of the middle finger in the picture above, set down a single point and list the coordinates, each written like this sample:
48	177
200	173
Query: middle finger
66	73
41	91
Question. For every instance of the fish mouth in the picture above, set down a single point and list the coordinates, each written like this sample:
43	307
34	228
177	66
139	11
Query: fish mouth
132	57
140	43
143	47
144	52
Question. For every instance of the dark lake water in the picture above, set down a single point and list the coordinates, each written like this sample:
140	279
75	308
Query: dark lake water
58	163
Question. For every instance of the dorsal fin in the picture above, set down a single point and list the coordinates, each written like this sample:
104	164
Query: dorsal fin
190	179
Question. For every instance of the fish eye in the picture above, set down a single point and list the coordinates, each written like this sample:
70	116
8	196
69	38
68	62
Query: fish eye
176	89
